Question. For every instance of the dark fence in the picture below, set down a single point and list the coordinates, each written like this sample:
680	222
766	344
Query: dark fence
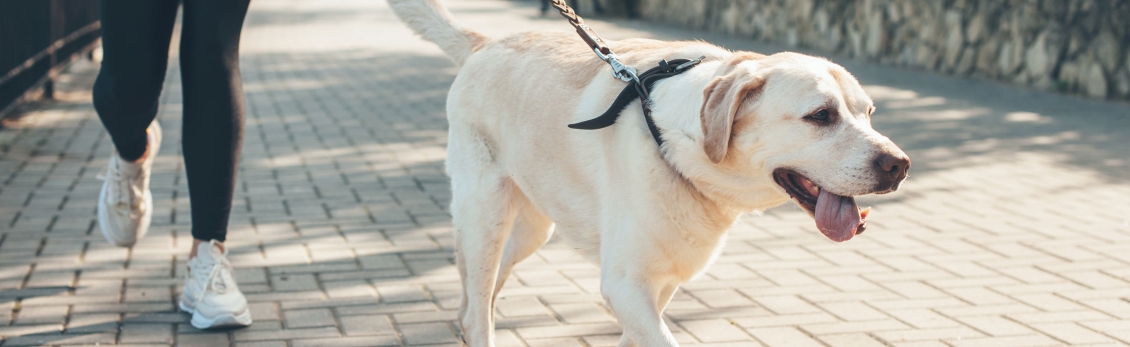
36	38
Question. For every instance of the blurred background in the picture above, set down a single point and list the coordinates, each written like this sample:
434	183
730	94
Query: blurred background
1073	47
36	39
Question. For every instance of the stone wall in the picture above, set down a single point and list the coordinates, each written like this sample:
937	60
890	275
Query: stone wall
1074	46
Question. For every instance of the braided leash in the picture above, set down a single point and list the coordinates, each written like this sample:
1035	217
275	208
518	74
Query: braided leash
619	70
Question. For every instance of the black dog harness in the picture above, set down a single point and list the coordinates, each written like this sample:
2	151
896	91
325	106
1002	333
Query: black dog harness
640	89
638	85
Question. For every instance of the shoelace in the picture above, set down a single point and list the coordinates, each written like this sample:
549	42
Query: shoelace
213	274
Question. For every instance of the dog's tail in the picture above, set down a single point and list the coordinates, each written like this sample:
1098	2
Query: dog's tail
432	21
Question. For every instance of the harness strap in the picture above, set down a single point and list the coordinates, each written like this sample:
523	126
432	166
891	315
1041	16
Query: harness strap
638	85
641	91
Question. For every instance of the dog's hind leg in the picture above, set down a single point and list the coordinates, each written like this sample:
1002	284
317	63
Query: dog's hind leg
482	214
483	211
531	230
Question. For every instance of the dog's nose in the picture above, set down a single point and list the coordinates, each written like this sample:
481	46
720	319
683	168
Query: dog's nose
894	165
892	169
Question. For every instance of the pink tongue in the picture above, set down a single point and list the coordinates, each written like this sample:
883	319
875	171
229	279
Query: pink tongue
837	216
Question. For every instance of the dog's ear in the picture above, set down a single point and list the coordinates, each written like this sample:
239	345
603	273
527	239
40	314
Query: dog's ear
723	98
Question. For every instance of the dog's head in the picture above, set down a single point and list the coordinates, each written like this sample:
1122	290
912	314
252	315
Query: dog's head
803	123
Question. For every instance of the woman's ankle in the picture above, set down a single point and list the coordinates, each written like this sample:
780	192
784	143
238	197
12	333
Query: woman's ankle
196	245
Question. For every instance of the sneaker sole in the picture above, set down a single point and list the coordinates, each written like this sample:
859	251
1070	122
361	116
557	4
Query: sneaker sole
241	319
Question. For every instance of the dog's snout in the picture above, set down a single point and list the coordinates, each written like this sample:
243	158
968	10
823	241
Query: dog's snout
892	168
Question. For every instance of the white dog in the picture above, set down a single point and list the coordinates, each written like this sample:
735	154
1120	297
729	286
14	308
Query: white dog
741	132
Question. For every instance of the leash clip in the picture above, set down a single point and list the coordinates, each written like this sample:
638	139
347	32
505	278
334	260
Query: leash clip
619	70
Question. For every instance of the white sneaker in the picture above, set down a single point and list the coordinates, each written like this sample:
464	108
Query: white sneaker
125	206
210	293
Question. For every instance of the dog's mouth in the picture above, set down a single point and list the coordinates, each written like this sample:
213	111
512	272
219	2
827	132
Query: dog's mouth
838	217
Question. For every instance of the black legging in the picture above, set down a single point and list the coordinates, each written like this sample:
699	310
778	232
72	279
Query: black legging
135	45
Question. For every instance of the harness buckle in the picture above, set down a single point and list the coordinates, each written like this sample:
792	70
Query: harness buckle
619	70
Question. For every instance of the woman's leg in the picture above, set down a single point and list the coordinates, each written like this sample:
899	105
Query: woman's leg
212	136
213	110
135	43
135	46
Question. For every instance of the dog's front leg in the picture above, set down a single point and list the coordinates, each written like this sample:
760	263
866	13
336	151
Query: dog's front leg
636	303
664	298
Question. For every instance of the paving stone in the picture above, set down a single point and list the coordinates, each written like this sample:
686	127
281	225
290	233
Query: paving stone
568	330
202	340
294	282
427	333
367	325
852	311
715	330
853	327
42	315
581	313
148	294
1117	329
146	333
348	341
1011	341
851	340
1048	302
398	294
786	304
922	318
896	336
346	289
785	320
285	334
979	296
60	339
516	307
1049	317
996	325
1072	333
783	336
426	317
93	323
264	311
555	342
309	318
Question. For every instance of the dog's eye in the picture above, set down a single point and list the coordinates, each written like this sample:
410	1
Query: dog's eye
822	116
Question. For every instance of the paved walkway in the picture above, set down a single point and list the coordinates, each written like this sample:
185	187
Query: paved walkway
1014	229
